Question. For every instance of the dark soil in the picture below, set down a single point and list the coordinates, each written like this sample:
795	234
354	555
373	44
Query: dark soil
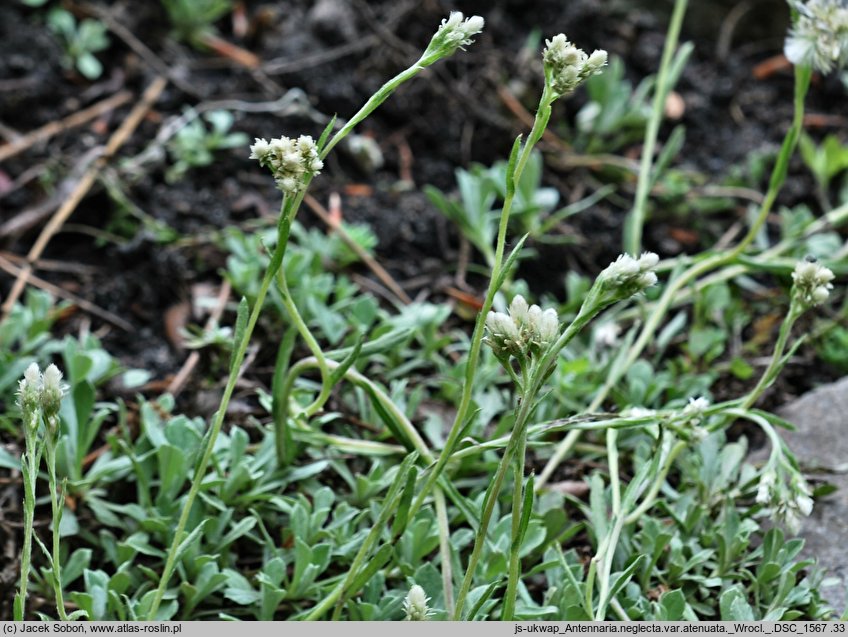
338	52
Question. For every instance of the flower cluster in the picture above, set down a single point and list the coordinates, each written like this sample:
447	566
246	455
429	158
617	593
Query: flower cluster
290	160
455	32
819	37
524	331
567	66
790	502
44	392
415	605
627	276
812	282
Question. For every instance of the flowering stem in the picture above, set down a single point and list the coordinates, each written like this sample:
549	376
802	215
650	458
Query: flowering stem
56	507
636	221
31	459
539	125
615	478
514	572
778	177
771	372
311	343
489	502
288	209
373	102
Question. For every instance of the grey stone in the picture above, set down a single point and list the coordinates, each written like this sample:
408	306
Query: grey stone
821	446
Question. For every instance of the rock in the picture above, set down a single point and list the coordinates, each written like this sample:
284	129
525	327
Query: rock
821	446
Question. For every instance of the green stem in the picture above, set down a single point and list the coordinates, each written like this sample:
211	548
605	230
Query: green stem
33	456
374	101
539	125
637	215
311	343
532	387
287	214
774	365
514	573
444	548
606	568
303	329
56	509
802	83
480	537
615	479
651	495
424	452
385	401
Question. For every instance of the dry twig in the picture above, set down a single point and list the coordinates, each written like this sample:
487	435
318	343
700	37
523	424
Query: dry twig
378	270
71	121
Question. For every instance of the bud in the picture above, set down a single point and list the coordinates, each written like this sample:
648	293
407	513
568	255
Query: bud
812	282
548	327
518	309
597	61
415	605
525	331
52	391
29	389
627	276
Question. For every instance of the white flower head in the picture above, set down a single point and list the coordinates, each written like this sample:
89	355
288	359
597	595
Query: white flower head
504	336
693	412
548	326
697	405
628	275
290	160
525	331
819	37
415	604
29	388
765	487
568	66
804	504
502	324
52	391
260	149
597	61
455	32
518	309
812	282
